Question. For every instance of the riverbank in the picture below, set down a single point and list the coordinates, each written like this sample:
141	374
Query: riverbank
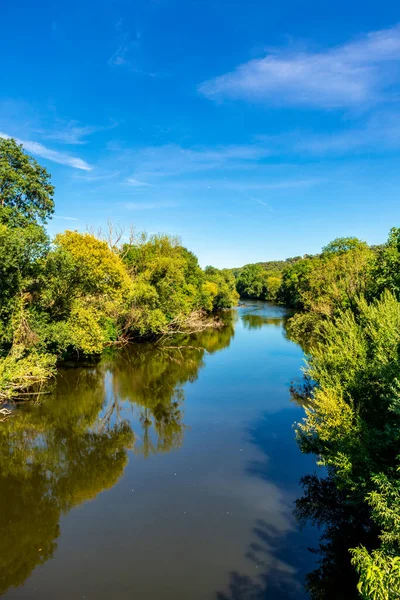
181	458
24	375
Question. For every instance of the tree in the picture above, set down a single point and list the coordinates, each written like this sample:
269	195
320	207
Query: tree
353	425
387	272
21	249
226	295
295	282
250	283
343	244
24	184
273	281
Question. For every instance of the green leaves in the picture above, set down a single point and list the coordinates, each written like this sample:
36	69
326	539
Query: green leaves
24	185
352	423
379	574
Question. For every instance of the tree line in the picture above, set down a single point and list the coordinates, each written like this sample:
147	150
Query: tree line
79	293
348	319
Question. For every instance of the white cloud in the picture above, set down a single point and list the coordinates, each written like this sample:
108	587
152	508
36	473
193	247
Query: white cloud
354	74
129	52
98	177
148	205
72	133
122	54
137	183
380	133
260	185
52	155
173	160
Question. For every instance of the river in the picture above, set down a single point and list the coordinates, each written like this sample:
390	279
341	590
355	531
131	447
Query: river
162	472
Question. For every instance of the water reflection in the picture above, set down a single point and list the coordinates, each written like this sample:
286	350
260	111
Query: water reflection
53	457
237	475
64	450
274	547
152	376
254	321
344	525
277	579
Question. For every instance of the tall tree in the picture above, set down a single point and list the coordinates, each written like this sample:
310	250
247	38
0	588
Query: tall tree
24	184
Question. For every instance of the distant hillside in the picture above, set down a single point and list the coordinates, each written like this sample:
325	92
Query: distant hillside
272	265
280	265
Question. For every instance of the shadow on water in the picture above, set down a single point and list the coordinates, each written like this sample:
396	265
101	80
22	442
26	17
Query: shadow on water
64	450
343	526
322	508
280	559
276	580
330	525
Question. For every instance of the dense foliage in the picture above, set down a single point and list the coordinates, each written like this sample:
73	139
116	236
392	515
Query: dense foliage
77	294
350	322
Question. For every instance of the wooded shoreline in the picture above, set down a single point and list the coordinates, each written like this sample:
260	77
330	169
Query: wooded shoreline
79	293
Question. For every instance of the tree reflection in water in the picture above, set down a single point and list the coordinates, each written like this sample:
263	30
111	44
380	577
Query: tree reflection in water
53	457
344	525
64	450
254	321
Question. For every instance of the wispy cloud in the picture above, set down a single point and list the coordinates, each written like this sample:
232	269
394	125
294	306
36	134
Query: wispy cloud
172	160
52	155
73	133
263	203
148	205
137	183
98	176
131	54
128	50
380	133
254	185
358	73
123	55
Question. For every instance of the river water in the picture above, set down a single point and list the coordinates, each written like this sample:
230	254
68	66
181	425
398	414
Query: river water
163	472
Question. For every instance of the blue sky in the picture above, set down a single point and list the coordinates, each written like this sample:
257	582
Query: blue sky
253	130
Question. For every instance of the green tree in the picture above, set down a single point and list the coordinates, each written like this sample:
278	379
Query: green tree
272	286
352	424
387	271
251	282
24	185
294	284
21	250
167	283
343	244
225	294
